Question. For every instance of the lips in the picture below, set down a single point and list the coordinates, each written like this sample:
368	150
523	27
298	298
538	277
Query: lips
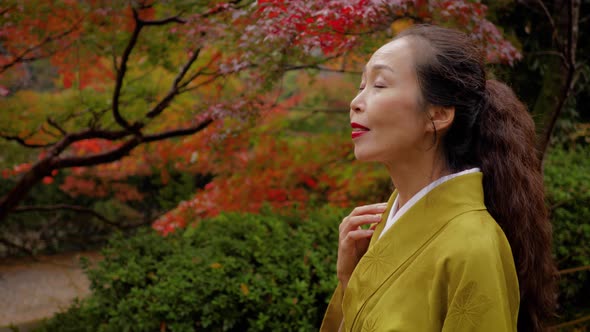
358	130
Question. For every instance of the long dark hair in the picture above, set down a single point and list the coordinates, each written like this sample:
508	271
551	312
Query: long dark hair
492	130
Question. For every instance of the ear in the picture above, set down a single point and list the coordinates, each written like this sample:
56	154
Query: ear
441	118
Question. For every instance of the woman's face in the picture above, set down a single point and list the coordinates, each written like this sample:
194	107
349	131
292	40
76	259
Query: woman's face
388	107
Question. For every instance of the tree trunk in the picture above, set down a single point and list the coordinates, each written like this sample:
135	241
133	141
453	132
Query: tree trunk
23	186
560	74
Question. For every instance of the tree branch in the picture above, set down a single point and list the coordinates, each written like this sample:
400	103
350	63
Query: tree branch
574	269
174	89
178	132
571	75
48	132
572	32
210	80
320	110
317	66
104	134
554	53
173	19
22	57
121	70
99	158
202	71
547	15
75	208
52	162
55	125
22	142
65	142
124	149
7	9
570	323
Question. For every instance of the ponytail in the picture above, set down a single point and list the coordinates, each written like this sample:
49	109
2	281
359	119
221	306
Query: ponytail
514	196
492	130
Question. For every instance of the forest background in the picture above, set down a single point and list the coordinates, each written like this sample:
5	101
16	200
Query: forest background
204	137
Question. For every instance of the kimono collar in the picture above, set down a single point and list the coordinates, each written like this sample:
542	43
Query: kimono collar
395	213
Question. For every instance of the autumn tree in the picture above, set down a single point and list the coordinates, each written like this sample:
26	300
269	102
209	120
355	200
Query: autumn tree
138	72
114	60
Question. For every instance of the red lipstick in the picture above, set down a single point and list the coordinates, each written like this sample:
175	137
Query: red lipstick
358	130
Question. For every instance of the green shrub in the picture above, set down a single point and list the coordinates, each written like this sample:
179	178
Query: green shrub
235	272
567	183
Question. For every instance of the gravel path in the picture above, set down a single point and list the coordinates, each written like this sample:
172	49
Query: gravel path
33	290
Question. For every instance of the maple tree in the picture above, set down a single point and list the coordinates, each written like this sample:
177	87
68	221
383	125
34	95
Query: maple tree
132	73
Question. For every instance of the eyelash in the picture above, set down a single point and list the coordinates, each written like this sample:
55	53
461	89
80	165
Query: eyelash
377	86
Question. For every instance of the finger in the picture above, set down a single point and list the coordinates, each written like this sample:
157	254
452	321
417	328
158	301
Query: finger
353	223
354	236
369	209
343	224
356	222
362	210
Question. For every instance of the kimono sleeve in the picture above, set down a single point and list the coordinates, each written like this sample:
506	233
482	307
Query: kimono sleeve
482	289
333	316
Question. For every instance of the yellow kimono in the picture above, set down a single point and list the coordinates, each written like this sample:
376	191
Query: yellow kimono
445	265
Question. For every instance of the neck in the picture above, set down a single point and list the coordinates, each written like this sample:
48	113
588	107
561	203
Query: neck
410	178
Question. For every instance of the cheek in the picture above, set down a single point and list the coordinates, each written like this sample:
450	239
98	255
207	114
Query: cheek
400	110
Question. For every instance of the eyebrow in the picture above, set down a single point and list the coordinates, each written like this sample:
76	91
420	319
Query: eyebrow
379	67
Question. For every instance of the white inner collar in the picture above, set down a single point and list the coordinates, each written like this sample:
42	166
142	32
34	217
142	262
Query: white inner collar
395	214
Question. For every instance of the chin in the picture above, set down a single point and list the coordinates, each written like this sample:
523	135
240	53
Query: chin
362	155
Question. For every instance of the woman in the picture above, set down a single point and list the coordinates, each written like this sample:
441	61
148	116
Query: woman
464	242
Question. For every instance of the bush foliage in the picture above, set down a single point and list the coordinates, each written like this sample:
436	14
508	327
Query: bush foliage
235	272
567	183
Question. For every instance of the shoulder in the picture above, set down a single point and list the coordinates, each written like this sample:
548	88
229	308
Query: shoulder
474	235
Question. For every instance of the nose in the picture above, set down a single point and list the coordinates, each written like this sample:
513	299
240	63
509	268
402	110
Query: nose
357	105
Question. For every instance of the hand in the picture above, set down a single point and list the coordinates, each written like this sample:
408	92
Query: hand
354	241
